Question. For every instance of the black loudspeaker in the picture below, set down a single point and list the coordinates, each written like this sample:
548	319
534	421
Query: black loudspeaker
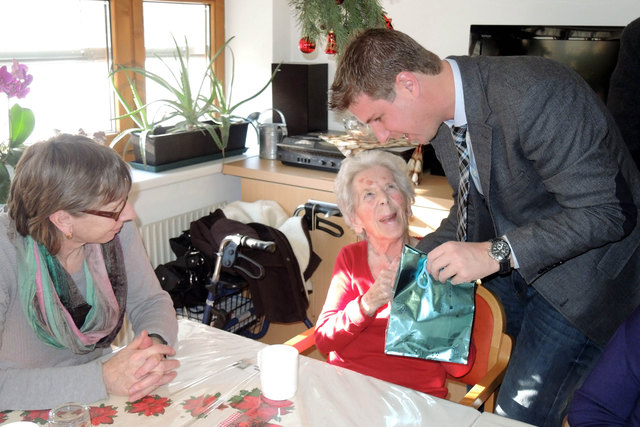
430	161
299	91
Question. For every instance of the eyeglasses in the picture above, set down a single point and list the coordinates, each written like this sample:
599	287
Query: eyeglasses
108	214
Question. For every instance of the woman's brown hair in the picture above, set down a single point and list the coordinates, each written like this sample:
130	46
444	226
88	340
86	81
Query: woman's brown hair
67	172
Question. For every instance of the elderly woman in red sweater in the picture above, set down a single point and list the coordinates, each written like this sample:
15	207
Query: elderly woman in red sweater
374	194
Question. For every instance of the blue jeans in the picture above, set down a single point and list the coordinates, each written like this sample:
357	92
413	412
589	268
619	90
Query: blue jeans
550	360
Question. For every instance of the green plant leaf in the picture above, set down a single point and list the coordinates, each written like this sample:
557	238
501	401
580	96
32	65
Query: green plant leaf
142	143
220	142
14	155
138	115
4	183
120	136
21	124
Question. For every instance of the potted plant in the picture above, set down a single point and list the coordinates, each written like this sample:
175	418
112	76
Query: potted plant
207	123
21	122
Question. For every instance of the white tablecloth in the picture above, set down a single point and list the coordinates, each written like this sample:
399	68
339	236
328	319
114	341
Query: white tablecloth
216	361
218	384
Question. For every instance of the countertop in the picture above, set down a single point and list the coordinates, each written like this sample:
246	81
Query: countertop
434	191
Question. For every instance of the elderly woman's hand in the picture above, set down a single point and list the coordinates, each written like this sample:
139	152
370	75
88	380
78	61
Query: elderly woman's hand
139	368
381	292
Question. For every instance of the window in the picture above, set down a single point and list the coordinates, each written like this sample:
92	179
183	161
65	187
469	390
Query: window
190	31
69	88
71	45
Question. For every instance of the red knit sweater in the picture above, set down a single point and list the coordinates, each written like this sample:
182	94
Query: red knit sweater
356	342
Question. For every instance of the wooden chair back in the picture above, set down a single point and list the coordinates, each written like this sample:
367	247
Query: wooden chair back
493	351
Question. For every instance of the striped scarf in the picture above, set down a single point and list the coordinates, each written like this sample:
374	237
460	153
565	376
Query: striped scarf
56	310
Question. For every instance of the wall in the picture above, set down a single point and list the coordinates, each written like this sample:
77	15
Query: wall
266	31
157	196
251	23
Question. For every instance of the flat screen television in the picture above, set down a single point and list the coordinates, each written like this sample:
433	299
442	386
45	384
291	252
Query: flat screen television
590	51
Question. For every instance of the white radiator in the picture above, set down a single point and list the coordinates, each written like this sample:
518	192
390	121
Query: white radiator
157	234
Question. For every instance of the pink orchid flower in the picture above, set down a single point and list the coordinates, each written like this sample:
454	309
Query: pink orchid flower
16	82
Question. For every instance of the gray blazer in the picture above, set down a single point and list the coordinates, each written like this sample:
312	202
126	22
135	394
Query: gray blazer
559	182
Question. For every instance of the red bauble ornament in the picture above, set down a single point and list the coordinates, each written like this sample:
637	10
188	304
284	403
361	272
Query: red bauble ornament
339	1
387	22
306	45
332	47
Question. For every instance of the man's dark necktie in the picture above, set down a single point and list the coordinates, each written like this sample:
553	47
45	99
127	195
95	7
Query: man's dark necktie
459	136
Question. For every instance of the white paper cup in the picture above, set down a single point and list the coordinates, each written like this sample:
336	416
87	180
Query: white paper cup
70	414
278	365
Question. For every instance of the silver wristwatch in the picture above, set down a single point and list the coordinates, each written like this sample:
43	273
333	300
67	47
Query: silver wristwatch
501	252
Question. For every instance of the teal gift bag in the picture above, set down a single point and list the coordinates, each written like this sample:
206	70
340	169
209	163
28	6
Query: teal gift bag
429	319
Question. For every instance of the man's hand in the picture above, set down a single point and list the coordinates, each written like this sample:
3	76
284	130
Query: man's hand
139	368
461	262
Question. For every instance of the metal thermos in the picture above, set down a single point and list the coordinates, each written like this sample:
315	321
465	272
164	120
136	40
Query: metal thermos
270	135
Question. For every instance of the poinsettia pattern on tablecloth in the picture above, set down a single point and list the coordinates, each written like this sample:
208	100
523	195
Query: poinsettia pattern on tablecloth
200	406
149	405
103	414
247	407
257	409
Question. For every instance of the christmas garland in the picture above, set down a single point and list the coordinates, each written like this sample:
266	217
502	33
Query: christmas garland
337	19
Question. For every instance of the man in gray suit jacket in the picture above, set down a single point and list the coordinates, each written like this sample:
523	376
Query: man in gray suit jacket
552	218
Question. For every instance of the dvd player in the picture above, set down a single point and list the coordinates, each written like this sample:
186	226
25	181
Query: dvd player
310	151
313	150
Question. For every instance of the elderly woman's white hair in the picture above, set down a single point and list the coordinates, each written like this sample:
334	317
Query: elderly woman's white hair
351	166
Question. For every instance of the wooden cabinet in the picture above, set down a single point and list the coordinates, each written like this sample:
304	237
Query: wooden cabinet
432	204
293	186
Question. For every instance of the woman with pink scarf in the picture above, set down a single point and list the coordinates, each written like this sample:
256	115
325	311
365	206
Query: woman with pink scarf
71	266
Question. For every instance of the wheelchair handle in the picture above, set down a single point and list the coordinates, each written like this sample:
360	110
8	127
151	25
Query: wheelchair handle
312	211
326	208
228	252
252	243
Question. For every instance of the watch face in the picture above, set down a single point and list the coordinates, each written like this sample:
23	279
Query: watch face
500	249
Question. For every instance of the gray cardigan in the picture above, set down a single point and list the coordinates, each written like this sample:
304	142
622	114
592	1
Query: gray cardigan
34	375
